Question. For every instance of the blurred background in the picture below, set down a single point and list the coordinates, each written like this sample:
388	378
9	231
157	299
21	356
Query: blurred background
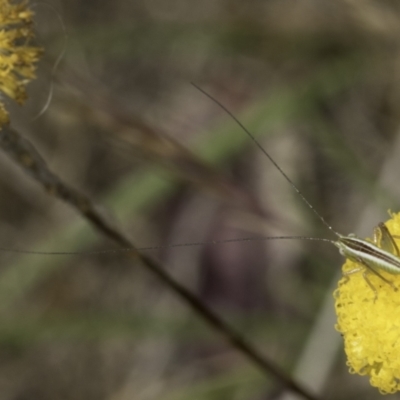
317	82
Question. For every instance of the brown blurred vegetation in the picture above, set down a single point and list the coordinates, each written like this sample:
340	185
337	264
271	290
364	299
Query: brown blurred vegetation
318	82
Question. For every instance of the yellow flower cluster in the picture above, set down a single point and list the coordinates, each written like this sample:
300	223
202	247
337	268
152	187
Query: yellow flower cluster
370	322
17	56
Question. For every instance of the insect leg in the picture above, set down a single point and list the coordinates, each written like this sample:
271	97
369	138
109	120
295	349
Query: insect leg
372	269
370	284
359	269
369	268
383	239
365	270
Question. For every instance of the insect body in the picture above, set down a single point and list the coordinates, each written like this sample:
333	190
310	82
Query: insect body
369	255
380	258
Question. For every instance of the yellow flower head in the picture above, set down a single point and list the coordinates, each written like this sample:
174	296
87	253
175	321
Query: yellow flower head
17	56
370	322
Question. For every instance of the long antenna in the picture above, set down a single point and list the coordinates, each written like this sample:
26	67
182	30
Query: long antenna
191	244
257	143
150	248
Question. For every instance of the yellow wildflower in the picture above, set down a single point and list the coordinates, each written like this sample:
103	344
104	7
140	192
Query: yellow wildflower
17	56
370	323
